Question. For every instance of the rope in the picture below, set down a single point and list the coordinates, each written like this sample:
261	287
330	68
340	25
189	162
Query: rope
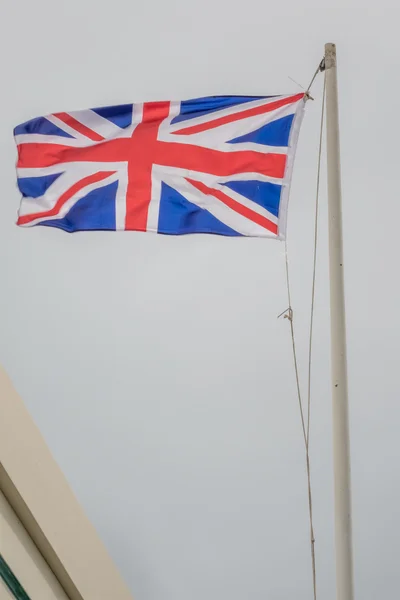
320	68
314	264
306	445
290	316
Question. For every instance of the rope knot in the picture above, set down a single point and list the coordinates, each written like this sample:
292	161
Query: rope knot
287	314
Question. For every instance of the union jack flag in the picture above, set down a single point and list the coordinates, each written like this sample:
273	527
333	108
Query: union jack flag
218	165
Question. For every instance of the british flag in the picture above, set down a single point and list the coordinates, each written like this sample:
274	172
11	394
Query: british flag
220	164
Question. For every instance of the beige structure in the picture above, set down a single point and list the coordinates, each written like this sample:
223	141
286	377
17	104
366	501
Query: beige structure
24	560
45	538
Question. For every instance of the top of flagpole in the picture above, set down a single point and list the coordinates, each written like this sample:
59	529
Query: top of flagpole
330	55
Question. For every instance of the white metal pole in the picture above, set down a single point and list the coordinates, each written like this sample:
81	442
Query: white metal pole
341	444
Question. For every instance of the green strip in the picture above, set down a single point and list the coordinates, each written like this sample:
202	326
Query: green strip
11	581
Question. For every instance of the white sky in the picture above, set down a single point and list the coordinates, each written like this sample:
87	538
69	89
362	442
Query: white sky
154	366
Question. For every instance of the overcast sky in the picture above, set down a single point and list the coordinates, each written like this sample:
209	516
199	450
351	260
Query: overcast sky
155	366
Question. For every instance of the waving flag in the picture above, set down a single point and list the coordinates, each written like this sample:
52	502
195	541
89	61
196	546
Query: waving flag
217	165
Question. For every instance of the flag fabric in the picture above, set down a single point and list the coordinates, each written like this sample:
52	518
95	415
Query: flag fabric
220	164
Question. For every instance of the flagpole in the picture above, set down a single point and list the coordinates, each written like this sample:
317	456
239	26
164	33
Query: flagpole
341	443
